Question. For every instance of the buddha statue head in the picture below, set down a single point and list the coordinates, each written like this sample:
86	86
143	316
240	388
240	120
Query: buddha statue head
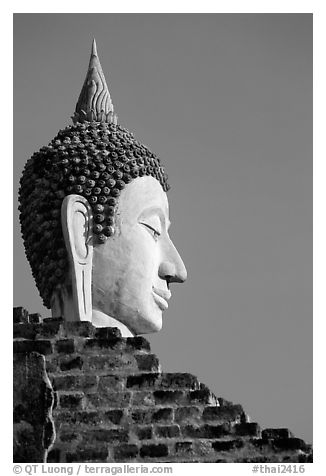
94	218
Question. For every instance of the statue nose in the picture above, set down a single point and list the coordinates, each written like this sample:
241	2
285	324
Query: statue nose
172	269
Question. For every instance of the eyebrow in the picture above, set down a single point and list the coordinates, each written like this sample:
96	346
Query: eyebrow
158	211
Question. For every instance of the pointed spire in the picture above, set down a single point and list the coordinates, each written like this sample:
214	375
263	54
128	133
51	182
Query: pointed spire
94	102
94	50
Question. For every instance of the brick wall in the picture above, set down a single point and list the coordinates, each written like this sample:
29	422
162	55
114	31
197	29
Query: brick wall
104	398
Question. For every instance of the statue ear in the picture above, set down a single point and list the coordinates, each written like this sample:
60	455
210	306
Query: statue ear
77	222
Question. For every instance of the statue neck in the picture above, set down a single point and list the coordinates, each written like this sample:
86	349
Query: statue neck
62	304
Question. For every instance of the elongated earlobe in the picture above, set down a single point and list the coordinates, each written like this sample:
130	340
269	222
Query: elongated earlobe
77	218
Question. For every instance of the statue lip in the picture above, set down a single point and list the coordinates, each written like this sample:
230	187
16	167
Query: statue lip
161	297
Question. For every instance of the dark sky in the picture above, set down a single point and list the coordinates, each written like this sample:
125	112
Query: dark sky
226	101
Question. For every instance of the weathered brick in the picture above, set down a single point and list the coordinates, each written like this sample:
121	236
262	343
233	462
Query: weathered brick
20	413
71	400
223	414
167	431
206	431
75	419
112	362
49	329
54	456
84	455
114	416
203	448
247	429
154	451
179	380
142	380
23	346
306	458
148	362
53	320
163	414
114	343
290	444
137	343
184	447
144	432
35	318
141	416
113	400
75	382
168	396
222	402
88	383
84	417
107	383
26	346
260	442
25	331
125	451
187	414
65	382
107	333
65	346
20	315
75	362
276	433
203	395
96	362
114	435
43	347
79	329
227	445
51	365
68	436
142	398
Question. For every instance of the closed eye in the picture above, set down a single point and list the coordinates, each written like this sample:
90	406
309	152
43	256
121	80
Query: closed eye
152	231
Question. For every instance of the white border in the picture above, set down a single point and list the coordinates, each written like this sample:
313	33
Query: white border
318	9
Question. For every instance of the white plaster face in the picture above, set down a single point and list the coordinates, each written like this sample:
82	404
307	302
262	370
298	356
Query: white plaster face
133	269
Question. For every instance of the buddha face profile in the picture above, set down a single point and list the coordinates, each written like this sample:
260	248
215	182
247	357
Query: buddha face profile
141	259
95	220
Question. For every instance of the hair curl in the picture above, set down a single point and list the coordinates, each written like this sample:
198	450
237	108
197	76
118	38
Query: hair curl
92	159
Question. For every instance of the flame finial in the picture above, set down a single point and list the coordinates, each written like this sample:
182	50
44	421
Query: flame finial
94	102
